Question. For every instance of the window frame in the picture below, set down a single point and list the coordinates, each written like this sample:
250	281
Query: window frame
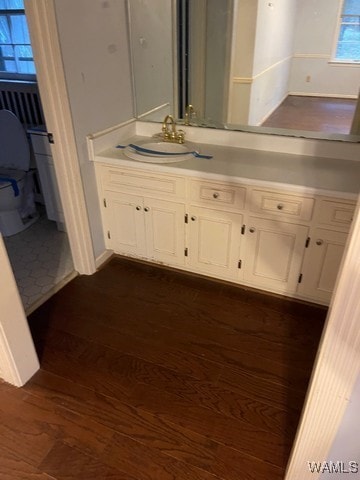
335	60
16	76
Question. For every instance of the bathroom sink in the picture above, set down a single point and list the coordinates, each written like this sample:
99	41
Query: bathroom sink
158	152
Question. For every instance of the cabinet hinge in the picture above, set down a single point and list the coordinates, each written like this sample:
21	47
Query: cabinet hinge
239	263
50	138
186	218
243	230
307	243
186	252
109	236
300	278
105	203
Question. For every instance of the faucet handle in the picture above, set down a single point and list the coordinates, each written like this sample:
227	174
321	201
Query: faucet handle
180	136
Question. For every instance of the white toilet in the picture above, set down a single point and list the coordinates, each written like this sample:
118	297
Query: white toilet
17	204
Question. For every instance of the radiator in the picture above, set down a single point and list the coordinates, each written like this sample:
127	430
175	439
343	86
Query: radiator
23	99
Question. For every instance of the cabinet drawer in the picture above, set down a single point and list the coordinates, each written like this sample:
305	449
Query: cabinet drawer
40	144
123	180
279	204
335	213
218	194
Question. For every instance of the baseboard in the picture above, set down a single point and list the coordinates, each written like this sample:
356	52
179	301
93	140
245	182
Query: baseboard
103	258
322	95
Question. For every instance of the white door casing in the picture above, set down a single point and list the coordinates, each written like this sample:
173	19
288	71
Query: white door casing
56	105
18	359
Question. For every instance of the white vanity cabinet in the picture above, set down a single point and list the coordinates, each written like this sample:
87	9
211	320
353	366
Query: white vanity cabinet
143	215
274	253
214	242
325	248
275	237
216	219
272	239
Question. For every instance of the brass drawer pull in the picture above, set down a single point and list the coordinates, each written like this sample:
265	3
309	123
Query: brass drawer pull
319	241
252	230
138	208
280	206
215	195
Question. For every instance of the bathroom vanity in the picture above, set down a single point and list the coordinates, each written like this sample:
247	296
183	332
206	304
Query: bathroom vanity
270	220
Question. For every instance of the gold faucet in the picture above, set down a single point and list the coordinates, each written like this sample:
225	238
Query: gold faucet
172	135
188	113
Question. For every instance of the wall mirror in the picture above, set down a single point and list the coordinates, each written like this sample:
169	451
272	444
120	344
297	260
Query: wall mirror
236	61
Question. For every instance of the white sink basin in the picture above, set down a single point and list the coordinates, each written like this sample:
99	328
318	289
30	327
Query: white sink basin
158	152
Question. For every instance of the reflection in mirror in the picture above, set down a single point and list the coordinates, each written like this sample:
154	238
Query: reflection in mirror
254	65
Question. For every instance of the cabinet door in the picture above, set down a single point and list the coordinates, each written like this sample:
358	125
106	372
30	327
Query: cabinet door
215	242
165	232
321	264
274	253
124	218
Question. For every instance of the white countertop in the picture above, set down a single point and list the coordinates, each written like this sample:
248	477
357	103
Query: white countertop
324	176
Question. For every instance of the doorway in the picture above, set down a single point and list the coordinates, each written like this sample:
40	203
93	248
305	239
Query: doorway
40	255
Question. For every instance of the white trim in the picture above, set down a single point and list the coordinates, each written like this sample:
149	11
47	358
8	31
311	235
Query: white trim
251	79
155	110
8	367
272	110
345	63
336	368
56	105
325	95
103	258
18	359
337	30
315	56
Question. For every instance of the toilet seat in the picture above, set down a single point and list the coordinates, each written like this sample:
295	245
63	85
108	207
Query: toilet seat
17	175
14	151
17	204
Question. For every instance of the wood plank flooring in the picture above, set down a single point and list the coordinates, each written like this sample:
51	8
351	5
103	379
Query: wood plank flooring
315	114
150	374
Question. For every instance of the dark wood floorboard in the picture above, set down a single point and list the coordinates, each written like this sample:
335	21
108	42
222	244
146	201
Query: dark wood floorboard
316	114
152	374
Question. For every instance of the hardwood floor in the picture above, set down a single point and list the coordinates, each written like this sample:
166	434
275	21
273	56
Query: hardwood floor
316	114
150	374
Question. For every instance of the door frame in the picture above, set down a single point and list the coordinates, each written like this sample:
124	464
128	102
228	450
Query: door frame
41	18
336	367
18	359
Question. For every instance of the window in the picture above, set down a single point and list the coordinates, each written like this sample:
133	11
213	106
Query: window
348	42
16	58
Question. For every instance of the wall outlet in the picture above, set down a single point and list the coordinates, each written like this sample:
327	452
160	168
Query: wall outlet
308	78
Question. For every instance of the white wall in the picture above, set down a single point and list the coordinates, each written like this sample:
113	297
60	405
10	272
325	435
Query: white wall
272	57
316	24
95	49
242	56
152	54
261	58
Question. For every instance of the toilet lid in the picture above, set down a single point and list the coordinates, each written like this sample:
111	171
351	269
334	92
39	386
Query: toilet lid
14	150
